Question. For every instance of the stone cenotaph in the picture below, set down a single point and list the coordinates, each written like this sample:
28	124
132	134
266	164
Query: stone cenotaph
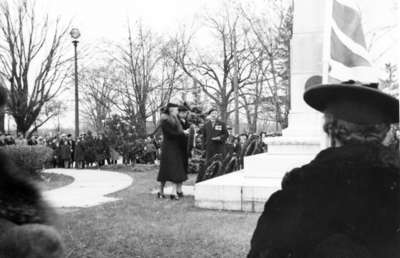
248	189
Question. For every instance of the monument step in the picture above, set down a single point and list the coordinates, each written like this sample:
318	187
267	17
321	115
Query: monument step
235	192
274	165
221	193
286	144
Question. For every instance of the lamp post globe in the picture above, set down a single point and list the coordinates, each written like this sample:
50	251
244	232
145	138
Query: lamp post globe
75	33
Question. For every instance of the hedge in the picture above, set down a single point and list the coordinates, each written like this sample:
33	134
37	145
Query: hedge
30	159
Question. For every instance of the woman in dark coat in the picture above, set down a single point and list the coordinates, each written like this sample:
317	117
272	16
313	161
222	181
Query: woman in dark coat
173	152
346	202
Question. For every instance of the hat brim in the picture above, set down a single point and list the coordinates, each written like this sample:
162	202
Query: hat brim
368	105
210	111
172	105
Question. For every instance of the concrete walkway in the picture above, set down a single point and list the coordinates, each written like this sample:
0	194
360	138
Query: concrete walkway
88	189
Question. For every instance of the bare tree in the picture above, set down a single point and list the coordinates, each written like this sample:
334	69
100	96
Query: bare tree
252	97
274	34
213	70
99	95
149	76
55	108
32	61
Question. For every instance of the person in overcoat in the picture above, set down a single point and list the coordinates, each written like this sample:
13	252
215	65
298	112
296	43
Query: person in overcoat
65	153
79	153
90	149
215	134
345	202
173	152
101	149
71	143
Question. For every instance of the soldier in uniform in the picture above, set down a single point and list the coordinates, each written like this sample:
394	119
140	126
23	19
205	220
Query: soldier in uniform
215	134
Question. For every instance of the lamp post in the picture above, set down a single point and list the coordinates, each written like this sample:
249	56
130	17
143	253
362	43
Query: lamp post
75	34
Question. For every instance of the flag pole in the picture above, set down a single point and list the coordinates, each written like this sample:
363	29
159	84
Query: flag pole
326	46
326	53
397	7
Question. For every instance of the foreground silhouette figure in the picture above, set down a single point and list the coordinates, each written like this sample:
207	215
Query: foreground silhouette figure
26	221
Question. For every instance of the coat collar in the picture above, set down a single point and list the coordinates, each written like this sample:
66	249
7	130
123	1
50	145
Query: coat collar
349	161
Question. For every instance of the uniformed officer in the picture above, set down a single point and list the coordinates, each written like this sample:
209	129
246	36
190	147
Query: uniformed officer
215	134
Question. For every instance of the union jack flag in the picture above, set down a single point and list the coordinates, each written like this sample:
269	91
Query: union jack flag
349	58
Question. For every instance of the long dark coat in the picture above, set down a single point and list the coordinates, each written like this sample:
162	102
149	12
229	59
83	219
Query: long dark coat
101	149
65	152
218	131
80	151
72	144
345	203
90	149
173	151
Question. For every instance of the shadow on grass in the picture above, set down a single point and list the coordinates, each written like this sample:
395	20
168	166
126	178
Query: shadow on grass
50	181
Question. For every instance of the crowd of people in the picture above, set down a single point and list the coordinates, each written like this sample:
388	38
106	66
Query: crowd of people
89	150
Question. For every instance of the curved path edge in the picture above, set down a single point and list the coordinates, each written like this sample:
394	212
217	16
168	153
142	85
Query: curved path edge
88	188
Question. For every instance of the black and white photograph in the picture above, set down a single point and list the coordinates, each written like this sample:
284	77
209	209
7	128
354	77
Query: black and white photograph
199	129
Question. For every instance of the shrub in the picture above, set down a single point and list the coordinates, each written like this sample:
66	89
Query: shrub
30	159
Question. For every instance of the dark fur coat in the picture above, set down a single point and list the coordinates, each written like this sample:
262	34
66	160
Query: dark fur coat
173	151
20	200
345	203
26	221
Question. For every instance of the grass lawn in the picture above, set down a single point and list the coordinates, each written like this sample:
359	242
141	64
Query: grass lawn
142	226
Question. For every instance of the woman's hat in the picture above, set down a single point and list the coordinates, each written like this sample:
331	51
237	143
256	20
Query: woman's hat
210	111
354	102
170	105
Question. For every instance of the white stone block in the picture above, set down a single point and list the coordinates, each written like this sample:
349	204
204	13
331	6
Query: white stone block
306	57
309	16
223	193
293	145
273	165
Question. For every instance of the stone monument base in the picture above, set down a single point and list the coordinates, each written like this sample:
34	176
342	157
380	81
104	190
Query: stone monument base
248	189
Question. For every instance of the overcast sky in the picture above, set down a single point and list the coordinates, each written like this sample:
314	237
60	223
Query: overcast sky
106	20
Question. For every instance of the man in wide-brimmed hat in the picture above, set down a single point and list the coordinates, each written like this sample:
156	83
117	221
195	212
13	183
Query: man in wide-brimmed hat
346	202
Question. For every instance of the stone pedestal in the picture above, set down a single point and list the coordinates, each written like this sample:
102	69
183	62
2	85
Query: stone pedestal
247	190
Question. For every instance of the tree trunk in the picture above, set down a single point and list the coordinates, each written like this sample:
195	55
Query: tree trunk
2	117
141	127
224	113
255	116
248	117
